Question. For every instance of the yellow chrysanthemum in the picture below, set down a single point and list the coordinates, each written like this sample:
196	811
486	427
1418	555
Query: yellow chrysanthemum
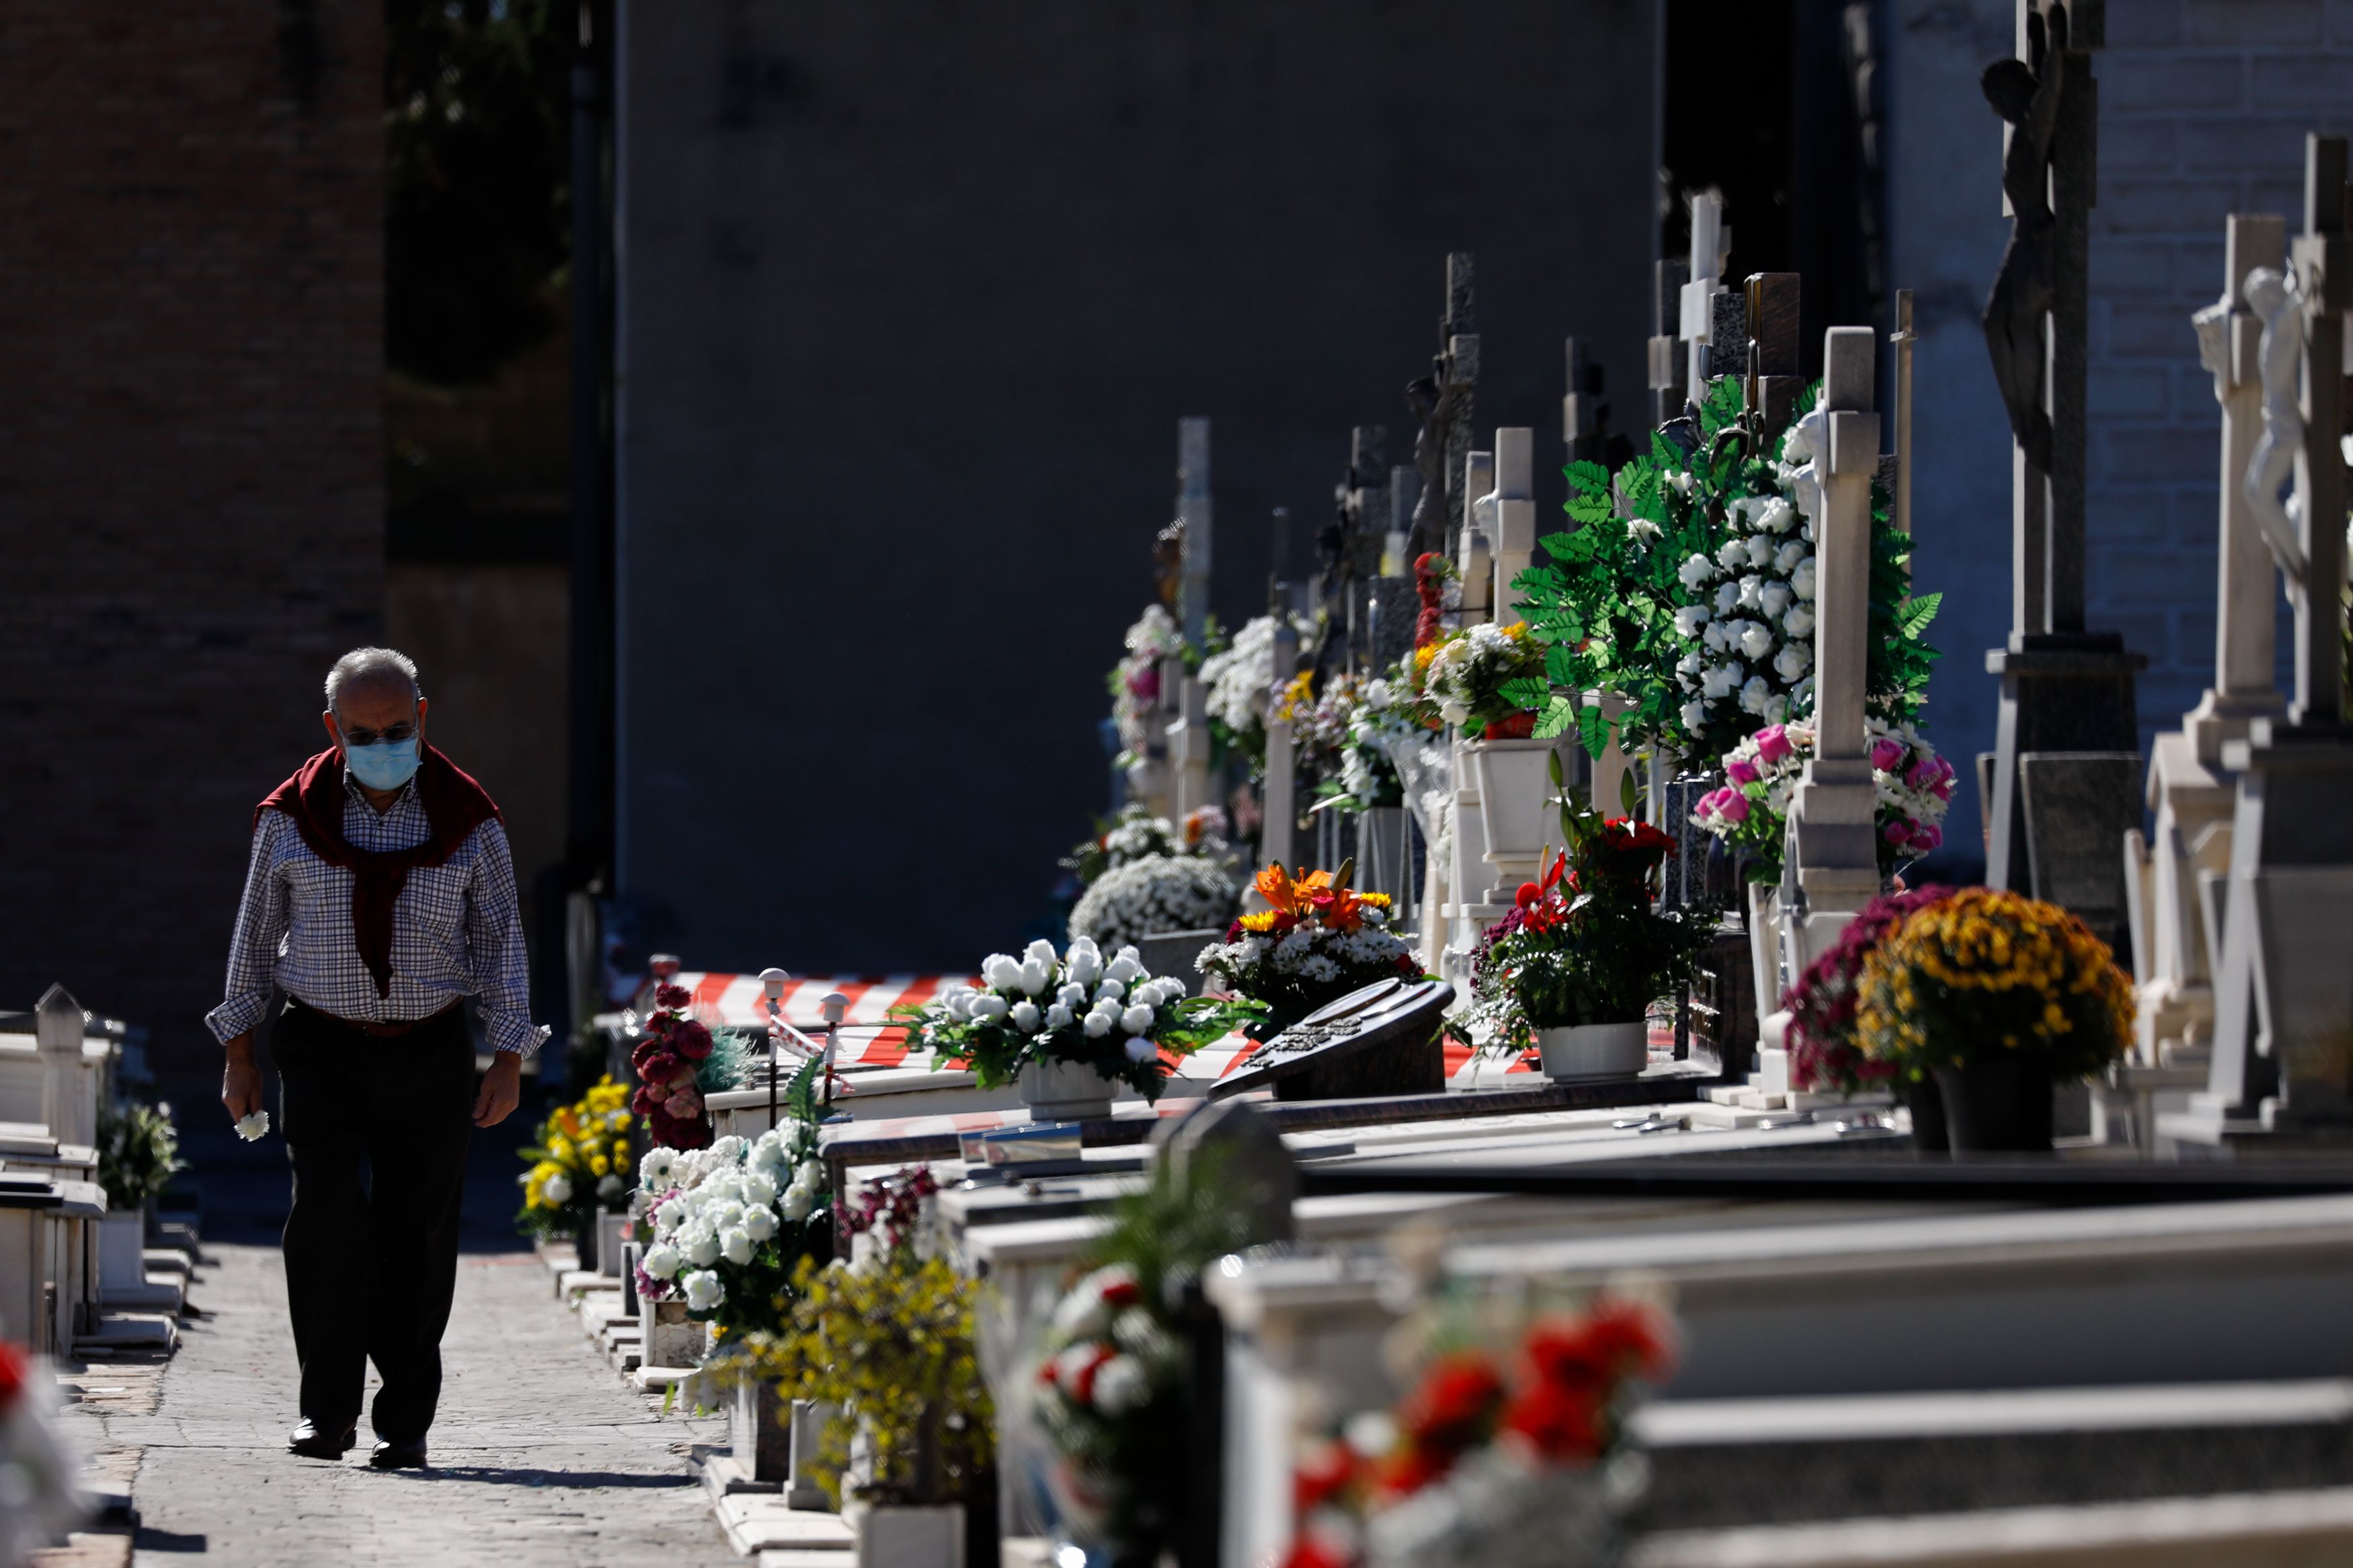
1261	921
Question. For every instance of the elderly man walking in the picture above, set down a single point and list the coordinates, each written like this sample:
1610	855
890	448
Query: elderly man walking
381	895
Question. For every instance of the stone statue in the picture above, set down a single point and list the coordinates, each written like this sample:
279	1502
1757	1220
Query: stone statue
2022	296
2278	303
1433	402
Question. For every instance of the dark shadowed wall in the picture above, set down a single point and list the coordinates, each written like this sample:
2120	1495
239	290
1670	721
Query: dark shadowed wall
190	466
912	297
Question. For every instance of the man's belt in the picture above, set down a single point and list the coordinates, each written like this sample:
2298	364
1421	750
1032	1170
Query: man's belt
379	1031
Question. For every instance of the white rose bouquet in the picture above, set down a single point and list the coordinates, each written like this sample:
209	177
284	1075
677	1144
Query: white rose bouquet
732	1223
1240	679
1076	1006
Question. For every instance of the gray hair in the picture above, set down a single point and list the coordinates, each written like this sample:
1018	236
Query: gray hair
365	664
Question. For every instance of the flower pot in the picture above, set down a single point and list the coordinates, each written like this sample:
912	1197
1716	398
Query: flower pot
1578	1052
611	1231
802	1490
1925	1099
1065	1091
894	1537
121	1236
672	1338
757	1433
1997	1104
1515	783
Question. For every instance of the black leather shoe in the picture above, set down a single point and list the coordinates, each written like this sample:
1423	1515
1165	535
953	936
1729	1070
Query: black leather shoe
312	1443
399	1455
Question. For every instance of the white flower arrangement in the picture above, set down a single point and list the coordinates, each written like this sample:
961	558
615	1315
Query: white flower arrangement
729	1222
1155	893
1135	679
1240	679
1749	655
1911	786
1075	1006
1464	675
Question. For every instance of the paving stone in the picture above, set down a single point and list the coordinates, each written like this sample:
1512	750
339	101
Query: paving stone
543	1457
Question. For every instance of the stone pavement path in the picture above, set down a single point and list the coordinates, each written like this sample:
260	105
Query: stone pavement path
543	1458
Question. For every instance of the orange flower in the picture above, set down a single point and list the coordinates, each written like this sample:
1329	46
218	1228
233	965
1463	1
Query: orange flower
1277	888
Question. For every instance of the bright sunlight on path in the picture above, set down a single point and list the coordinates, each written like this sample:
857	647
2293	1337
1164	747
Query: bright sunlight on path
541	1458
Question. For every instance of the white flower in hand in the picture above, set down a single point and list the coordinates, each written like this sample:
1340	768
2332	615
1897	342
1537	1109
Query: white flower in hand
255	1125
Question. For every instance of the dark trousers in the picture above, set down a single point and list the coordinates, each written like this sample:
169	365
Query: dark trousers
371	1265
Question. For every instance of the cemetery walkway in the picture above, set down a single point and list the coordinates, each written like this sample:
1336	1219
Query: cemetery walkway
541	1458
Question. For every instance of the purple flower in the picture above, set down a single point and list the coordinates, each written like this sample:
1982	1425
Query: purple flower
1899	832
1927	837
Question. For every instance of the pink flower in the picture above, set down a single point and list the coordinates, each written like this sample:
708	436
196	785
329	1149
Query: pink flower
1729	805
1943	788
1885	753
1898	832
1145	684
1773	743
1927	837
1740	770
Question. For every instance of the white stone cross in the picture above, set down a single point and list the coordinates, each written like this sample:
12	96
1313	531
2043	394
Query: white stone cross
1698	326
1833	855
1514	540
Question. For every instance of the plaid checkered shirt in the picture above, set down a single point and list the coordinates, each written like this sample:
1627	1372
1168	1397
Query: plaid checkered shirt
456	931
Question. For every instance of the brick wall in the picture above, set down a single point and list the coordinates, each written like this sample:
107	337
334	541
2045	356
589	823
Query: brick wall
2204	107
191	490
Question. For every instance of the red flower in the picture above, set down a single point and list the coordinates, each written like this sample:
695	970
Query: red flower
1410	1470
659	1067
1617	1340
668	996
1322	1476
12	1376
1562	1424
691	1040
1517	726
1308	1551
1122	1293
1455	1406
1082	1385
1528	894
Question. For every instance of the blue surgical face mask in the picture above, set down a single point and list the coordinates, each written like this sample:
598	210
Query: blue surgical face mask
386	765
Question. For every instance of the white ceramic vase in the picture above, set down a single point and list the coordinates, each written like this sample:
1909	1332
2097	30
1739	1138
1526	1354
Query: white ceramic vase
1065	1091
1765	945
895	1537
1577	1053
1514	783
